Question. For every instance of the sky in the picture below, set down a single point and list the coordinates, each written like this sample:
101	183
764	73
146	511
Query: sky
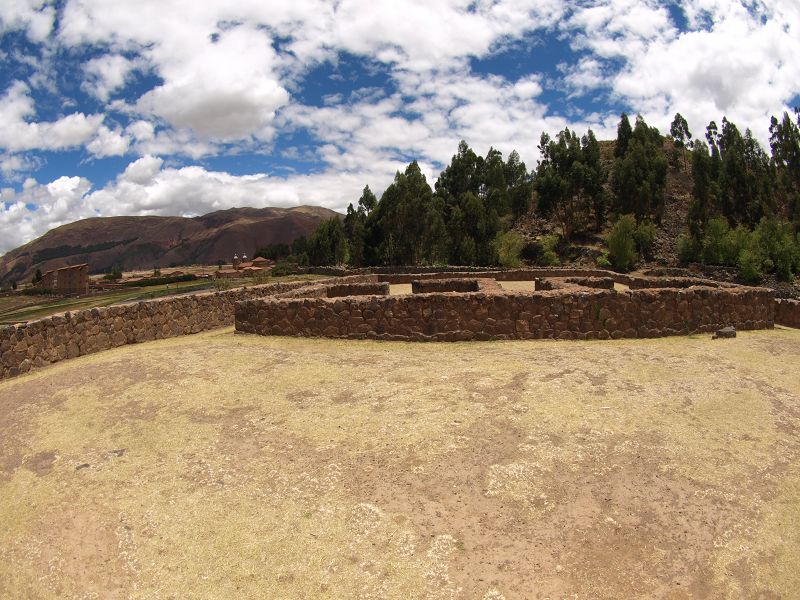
180	107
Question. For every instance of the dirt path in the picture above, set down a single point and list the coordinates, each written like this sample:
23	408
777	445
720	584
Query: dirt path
232	466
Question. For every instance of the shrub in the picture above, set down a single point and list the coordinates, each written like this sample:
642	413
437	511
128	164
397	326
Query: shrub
644	236
542	252
508	247
114	275
749	264
160	280
778	247
689	249
715	241
738	239
285	267
621	243
35	291
602	261
549	256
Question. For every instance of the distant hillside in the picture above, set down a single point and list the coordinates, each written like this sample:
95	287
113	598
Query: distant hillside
144	242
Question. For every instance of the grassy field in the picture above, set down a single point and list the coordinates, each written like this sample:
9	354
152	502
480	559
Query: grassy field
20	308
233	466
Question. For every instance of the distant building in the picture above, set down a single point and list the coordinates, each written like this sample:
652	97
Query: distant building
66	281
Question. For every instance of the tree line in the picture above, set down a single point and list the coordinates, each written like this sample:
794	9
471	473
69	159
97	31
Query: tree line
468	216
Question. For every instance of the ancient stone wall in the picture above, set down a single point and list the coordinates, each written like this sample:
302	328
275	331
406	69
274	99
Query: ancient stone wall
426	286
577	313
49	340
358	289
787	312
581	304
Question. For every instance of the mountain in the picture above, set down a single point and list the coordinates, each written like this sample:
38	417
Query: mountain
145	242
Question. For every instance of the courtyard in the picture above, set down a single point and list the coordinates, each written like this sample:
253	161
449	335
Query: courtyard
241	466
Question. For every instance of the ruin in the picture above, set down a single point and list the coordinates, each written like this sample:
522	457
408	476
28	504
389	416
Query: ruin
558	304
66	281
450	305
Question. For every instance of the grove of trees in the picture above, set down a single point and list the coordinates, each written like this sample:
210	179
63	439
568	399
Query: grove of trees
468	216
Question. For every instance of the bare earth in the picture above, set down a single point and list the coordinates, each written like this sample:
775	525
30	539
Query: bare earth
229	466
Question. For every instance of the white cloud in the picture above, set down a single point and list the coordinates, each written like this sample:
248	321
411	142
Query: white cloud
108	143
17	133
36	17
108	73
58	202
13	165
737	60
223	87
143	170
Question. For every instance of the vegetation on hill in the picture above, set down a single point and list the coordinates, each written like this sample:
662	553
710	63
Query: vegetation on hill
742	200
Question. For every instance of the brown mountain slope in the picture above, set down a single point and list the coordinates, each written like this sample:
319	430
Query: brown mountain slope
144	242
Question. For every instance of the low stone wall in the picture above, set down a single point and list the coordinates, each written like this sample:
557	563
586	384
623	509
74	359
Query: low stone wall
561	314
428	286
49	340
600	283
787	312
674	282
504	275
358	289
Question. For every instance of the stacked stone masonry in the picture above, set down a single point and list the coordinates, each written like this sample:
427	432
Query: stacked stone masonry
787	312
49	340
566	305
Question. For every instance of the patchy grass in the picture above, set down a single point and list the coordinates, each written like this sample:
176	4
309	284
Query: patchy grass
17	309
221	465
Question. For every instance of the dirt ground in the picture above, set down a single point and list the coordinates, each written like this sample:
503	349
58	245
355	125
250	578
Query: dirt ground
233	466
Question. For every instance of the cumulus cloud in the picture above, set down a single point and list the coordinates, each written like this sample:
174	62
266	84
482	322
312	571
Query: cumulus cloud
228	77
146	188
736	59
35	17
222	87
56	203
18	133
108	73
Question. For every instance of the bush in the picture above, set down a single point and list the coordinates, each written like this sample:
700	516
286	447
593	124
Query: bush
35	291
602	261
749	264
285	267
621	243
114	275
689	249
644	236
542	252
715	242
549	256
508	247
738	240
160	280
778	247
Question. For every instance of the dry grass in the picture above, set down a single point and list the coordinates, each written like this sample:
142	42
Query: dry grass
240	466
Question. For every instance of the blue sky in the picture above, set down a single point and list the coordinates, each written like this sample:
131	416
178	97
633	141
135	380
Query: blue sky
174	107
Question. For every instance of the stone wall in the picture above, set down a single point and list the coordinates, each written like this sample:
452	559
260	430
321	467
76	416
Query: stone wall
787	312
581	304
426	286
49	340
563	314
358	289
